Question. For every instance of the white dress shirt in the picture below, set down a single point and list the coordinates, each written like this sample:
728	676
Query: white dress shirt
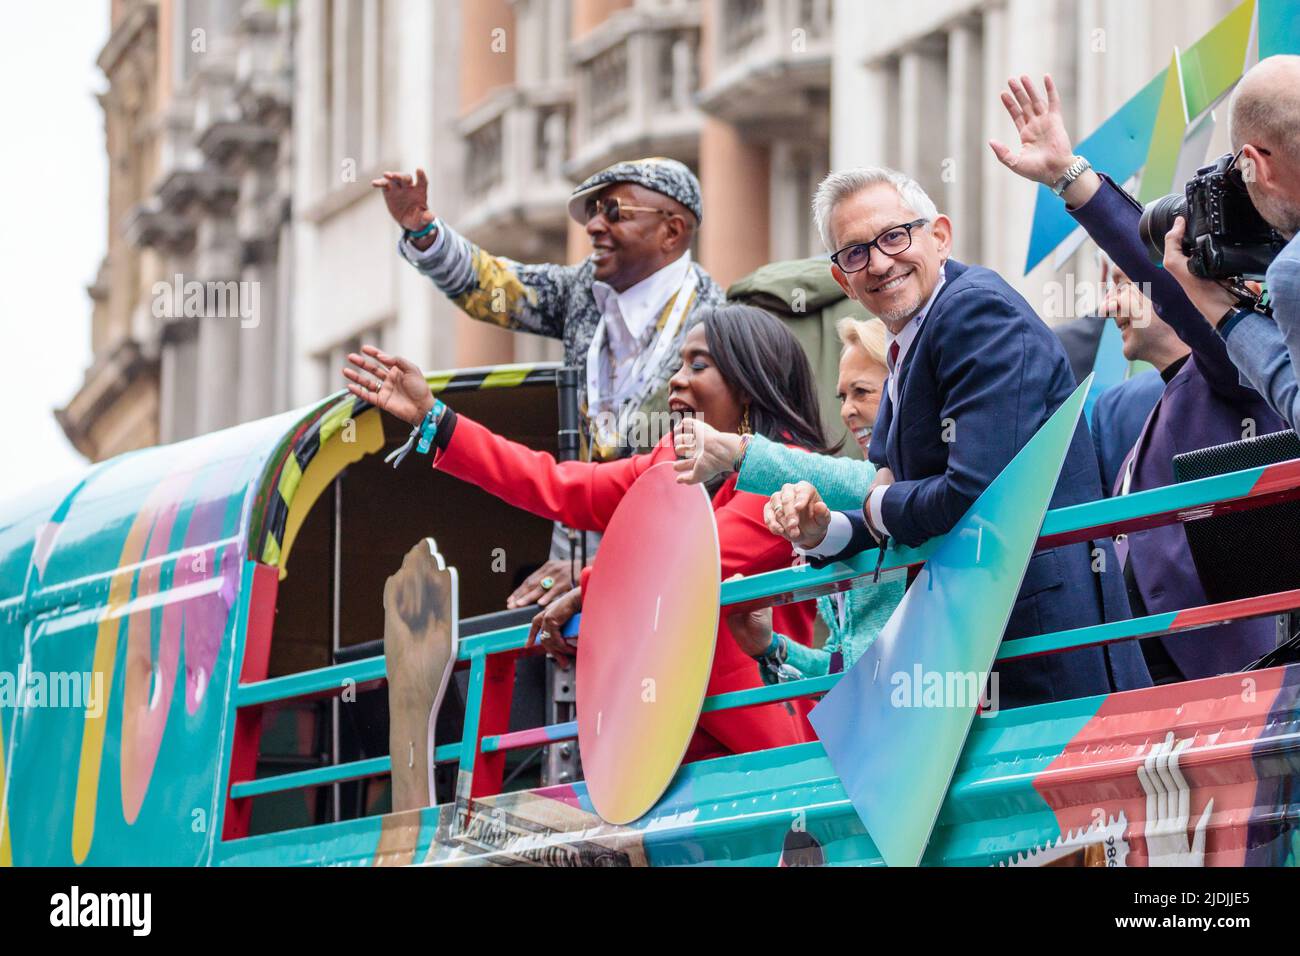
841	530
628	318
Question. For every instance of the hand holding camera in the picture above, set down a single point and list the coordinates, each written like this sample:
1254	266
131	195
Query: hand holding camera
1225	237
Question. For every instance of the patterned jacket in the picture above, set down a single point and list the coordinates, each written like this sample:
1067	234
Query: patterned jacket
546	299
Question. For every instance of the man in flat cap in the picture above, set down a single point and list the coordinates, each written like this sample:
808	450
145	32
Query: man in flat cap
622	312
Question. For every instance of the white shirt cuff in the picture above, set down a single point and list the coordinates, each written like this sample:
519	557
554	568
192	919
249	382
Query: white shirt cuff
836	540
874	504
417	256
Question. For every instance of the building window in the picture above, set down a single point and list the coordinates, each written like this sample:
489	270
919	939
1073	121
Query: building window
352	58
608	86
677	78
483	166
742	25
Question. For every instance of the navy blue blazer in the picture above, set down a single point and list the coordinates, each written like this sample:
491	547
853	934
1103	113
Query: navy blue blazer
987	367
1081	338
1117	421
1205	404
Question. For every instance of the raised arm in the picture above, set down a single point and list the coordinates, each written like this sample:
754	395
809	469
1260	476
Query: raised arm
529	298
1110	216
581	494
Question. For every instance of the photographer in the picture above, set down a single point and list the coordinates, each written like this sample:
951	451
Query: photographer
1264	126
1203	404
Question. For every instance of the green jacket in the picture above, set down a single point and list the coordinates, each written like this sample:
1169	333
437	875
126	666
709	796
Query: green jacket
804	295
843	484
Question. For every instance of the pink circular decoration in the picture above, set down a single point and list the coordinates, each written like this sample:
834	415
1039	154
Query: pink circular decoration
645	649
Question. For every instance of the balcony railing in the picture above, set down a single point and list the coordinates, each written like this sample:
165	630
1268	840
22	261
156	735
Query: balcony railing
483	159
637	77
771	65
516	144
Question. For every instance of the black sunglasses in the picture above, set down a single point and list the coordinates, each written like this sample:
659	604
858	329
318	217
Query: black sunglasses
892	242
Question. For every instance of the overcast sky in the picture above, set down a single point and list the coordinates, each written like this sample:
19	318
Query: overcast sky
53	189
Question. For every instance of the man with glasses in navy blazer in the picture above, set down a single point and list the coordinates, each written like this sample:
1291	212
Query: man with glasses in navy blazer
974	373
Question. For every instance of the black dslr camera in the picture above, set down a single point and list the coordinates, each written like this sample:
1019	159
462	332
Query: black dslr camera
1226	237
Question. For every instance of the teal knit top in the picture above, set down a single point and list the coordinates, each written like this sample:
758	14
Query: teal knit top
842	484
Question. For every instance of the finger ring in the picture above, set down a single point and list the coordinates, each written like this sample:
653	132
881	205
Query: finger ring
547	583
776	506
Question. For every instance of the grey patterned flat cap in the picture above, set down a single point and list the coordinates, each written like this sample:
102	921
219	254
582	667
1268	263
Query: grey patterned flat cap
666	176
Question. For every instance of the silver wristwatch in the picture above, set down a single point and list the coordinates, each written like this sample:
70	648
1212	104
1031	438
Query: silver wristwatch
1072	172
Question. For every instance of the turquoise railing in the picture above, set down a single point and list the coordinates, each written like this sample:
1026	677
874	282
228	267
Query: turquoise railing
490	656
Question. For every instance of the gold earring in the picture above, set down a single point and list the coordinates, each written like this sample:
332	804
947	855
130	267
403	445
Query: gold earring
744	423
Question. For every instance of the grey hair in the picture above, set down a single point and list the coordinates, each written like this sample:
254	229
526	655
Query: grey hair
1262	106
845	183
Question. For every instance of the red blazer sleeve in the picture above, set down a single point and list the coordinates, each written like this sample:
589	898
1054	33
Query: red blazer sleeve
747	546
581	494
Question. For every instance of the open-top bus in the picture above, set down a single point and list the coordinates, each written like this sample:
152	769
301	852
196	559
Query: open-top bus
192	642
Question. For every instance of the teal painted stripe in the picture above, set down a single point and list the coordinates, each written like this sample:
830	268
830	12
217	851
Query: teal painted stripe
1186	494
1083	636
493	642
315	777
804	582
447	753
473	711
728	701
322	680
554	732
770	693
355	770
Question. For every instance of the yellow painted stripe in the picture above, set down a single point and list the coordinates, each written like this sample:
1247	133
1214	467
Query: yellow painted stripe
506	377
439	380
289	479
335	419
92	738
330	459
271	551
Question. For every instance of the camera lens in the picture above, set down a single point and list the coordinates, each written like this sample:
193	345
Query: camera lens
1157	219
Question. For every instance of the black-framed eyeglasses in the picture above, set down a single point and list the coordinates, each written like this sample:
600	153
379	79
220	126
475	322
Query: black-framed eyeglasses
892	242
614	209
1238	154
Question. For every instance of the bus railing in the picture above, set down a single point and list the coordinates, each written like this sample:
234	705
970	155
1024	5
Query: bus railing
490	656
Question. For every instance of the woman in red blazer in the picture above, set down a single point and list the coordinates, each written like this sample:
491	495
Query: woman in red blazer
741	370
